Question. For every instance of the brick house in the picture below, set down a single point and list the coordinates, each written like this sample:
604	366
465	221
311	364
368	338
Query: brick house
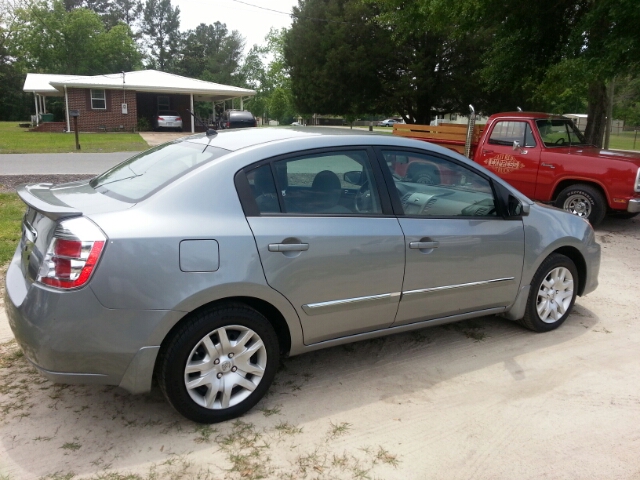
116	101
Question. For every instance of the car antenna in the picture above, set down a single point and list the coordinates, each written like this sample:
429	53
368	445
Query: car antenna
519	109
210	131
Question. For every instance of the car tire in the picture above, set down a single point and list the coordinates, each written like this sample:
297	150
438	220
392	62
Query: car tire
584	201
552	295
209	378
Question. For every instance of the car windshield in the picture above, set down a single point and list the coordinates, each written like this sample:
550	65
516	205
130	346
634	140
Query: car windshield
145	173
559	133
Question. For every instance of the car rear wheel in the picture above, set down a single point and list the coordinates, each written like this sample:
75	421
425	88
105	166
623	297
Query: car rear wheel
552	295
219	363
584	201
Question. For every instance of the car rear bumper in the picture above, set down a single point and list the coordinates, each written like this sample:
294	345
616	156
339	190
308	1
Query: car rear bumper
71	338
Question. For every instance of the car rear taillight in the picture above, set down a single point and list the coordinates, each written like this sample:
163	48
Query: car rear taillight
73	253
228	125
178	119
161	118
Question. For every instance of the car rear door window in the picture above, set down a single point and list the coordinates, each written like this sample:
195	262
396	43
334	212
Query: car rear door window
327	183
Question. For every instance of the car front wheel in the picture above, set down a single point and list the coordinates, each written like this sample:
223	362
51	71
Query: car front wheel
219	363
552	295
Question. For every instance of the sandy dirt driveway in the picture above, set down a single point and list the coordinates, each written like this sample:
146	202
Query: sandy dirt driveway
483	399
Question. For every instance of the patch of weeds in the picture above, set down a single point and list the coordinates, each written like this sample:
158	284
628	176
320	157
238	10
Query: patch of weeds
285	428
267	412
338	429
10	353
73	446
204	433
604	330
42	439
477	336
314	462
246	450
384	456
59	476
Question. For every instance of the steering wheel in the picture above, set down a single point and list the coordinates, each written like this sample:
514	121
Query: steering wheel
560	141
364	200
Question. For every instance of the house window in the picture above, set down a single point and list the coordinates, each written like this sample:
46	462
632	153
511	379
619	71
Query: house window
98	100
163	103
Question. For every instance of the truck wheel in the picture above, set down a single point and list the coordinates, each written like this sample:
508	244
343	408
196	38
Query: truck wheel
584	201
219	363
553	292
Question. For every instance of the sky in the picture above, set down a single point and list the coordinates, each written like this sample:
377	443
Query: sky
252	23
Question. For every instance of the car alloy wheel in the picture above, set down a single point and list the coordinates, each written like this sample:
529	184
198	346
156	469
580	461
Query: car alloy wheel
555	295
218	363
552	294
225	366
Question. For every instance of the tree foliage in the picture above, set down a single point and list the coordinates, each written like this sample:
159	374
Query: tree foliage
48	38
161	34
266	71
212	53
338	58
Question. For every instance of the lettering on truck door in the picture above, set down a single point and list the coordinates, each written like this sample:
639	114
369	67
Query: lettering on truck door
518	166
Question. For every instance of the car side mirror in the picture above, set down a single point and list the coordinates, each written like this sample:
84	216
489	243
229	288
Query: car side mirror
516	145
354	178
516	208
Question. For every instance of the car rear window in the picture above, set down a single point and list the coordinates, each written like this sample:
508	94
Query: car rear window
241	116
169	113
144	174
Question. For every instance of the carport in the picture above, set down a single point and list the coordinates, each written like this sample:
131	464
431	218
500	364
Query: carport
116	101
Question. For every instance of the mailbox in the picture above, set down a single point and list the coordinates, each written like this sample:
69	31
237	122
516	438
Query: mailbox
74	113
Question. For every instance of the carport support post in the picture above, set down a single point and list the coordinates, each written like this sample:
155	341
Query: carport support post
35	97
241	103
193	123
66	108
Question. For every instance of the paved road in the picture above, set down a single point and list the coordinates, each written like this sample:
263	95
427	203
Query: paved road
60	163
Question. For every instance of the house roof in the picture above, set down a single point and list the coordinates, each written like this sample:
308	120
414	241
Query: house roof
140	81
39	83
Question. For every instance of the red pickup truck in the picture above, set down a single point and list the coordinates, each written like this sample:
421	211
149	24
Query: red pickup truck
546	158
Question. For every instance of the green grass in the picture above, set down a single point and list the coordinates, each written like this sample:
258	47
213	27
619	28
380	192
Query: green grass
624	141
14	139
11	211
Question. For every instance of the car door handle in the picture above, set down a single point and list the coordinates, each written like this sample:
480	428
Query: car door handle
547	165
423	245
288	247
487	151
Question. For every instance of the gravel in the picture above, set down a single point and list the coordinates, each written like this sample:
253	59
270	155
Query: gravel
9	183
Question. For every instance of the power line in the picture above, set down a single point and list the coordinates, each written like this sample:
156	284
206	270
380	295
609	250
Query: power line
315	19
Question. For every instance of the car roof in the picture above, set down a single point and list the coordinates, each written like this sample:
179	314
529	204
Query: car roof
243	138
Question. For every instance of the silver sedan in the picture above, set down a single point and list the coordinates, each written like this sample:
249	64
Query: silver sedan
205	260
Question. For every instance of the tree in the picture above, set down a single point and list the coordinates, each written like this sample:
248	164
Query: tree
540	45
339	61
264	70
211	53
627	100
50	39
14	104
389	56
161	33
